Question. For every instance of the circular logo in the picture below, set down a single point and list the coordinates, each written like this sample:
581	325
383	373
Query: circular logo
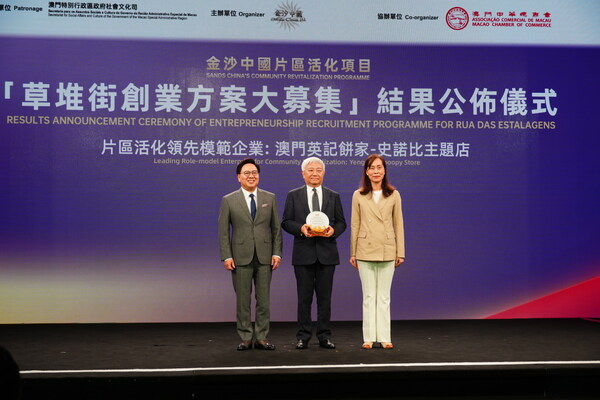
457	18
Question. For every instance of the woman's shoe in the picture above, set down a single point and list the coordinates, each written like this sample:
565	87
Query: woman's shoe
387	345
367	345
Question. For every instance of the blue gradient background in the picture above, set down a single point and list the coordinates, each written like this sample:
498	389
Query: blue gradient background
92	238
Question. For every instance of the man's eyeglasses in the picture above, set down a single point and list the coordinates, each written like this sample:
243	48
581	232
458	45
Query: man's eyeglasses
248	173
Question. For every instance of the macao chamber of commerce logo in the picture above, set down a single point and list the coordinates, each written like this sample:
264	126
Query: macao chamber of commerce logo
457	18
288	15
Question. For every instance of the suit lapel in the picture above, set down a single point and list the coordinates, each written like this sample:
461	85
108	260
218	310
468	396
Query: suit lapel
382	204
375	207
304	200
260	200
326	198
241	200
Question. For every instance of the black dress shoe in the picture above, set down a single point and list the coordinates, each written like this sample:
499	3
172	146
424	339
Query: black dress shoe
245	345
264	345
326	344
302	344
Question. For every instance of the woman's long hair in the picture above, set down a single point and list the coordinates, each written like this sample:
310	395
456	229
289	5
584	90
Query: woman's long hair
365	184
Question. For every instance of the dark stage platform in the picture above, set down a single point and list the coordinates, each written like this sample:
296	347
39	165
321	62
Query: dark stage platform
516	359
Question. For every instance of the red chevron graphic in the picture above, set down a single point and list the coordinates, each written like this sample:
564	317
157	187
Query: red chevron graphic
578	301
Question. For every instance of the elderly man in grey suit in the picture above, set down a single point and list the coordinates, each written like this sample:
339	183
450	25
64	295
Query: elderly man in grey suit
250	241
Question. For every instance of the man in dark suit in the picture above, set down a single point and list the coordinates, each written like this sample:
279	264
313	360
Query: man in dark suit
314	256
250	242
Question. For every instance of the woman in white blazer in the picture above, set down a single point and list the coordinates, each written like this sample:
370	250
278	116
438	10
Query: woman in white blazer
376	248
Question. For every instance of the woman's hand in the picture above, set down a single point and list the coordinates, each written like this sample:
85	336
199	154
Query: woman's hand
353	262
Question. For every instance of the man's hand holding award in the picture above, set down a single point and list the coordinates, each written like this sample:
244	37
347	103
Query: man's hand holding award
317	224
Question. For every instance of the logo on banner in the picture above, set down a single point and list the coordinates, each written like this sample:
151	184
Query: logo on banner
288	15
457	18
511	19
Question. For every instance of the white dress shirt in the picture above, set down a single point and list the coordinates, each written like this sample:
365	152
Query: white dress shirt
309	193
247	198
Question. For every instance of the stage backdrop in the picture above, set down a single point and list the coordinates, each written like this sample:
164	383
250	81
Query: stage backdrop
121	125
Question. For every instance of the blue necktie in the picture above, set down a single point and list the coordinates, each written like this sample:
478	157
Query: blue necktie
252	206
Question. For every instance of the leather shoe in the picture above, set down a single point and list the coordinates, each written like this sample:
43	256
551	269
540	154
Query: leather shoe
264	345
245	345
326	344
302	344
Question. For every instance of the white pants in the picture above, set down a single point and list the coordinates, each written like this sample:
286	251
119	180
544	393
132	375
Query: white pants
376	279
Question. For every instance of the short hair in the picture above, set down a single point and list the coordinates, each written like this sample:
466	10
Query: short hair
311	160
244	162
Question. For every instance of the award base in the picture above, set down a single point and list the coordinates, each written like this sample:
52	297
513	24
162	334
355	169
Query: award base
317	230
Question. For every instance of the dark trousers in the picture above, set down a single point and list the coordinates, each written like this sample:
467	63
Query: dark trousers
314	279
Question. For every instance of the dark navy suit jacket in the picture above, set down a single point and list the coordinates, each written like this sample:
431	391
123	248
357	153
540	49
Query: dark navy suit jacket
307	250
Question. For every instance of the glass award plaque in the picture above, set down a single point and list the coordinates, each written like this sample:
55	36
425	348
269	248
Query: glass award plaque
318	222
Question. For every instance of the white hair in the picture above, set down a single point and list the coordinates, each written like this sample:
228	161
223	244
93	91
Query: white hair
312	160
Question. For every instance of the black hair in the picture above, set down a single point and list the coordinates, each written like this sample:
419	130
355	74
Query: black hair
244	162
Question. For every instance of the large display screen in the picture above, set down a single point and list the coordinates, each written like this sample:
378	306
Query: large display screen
121	128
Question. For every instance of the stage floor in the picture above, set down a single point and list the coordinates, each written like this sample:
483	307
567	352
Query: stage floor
434	358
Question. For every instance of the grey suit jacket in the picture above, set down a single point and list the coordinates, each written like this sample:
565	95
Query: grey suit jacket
239	235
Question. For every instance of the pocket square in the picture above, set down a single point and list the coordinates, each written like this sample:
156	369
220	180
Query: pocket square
265	205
